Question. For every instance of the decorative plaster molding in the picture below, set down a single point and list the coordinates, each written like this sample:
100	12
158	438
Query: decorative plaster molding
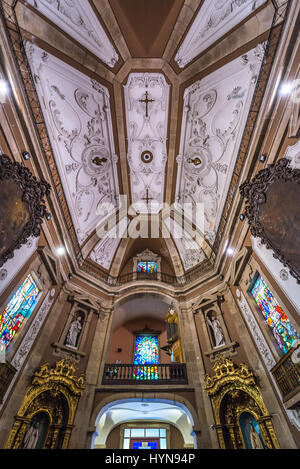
78	118
147	255
147	106
213	21
214	117
260	341
105	250
190	251
78	20
293	155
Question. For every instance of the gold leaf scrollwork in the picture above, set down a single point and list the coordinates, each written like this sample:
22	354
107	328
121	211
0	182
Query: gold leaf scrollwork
233	391
55	392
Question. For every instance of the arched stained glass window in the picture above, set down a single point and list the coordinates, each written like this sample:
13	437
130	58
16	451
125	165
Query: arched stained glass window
147	267
17	310
282	329
146	352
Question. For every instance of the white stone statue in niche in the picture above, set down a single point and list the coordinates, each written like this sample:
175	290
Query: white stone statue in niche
217	330
254	438
73	332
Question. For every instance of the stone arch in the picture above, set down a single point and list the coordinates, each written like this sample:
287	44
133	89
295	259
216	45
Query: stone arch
163	296
157	397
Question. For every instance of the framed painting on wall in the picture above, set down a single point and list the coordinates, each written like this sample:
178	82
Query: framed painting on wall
22	207
272	209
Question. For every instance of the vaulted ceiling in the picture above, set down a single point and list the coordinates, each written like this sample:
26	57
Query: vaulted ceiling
149	100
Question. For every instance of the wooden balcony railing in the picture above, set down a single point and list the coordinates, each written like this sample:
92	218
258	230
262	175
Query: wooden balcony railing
174	373
287	374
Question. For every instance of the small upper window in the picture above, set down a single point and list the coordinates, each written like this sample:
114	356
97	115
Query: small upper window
17	310
148	267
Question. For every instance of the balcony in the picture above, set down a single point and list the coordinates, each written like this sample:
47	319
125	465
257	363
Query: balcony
287	376
162	277
120	374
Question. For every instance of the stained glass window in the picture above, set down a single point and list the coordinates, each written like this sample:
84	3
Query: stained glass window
282	329
145	438
146	353
147	267
19	307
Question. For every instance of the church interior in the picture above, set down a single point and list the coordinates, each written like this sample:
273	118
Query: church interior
150	261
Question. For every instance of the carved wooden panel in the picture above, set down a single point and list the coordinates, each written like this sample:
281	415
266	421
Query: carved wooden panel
22	206
272	209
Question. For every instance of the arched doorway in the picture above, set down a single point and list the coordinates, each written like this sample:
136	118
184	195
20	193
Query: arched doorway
133	422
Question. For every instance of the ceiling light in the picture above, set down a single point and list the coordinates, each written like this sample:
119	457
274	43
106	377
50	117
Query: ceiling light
286	89
242	217
4	90
60	251
230	251
26	155
262	158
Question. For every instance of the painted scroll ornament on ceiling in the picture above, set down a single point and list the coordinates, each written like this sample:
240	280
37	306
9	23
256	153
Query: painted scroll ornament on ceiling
89	152
203	168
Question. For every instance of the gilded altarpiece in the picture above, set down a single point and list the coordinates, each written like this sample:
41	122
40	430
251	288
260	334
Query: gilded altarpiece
45	419
234	393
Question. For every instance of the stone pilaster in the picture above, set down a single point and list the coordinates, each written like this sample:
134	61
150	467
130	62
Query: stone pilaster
81	436
195	370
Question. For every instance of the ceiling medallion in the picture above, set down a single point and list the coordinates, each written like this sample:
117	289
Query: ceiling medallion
147	156
99	161
196	161
95	160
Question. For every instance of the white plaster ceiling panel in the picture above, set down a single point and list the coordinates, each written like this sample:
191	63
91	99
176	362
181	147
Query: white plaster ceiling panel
147	103
78	118
77	19
105	250
293	154
215	111
214	19
189	250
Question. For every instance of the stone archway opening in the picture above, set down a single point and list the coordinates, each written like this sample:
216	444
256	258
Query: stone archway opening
116	419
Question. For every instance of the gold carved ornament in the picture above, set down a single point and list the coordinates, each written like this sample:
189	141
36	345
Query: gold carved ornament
55	392
233	391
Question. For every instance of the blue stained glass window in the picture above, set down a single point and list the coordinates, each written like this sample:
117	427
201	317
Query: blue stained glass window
19	307
144	445
146	353
146	350
282	329
147	267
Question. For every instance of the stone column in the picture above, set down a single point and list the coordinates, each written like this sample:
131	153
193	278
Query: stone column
196	373
81	435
